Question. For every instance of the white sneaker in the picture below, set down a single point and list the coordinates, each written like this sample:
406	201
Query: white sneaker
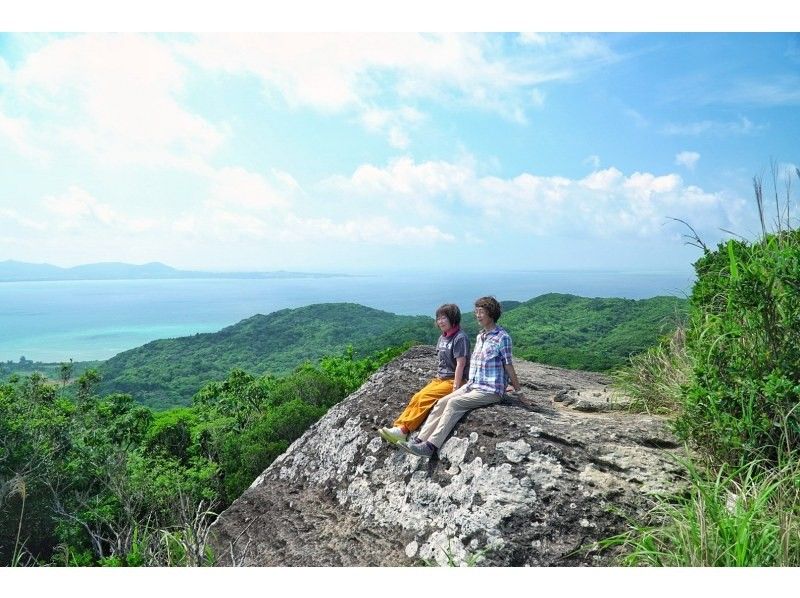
392	435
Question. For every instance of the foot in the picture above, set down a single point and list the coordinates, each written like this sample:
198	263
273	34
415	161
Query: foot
392	435
420	449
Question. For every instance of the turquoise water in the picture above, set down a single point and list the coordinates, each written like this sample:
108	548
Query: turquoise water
87	320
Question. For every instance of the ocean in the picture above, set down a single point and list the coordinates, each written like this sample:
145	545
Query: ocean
90	320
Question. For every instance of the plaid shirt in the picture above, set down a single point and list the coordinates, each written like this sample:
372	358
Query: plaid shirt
492	352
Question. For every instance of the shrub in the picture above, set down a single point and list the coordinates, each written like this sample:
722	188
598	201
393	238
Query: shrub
744	339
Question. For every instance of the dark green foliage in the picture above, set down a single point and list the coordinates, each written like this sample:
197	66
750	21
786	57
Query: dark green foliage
745	342
167	373
104	481
582	333
51	371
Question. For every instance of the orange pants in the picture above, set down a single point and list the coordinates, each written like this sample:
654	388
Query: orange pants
421	403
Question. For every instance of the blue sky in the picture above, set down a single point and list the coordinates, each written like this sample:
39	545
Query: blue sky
352	151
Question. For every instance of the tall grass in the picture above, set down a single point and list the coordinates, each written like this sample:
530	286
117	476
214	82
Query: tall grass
729	517
654	380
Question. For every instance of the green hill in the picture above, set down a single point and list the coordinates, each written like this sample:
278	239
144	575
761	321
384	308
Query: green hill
581	333
166	373
563	330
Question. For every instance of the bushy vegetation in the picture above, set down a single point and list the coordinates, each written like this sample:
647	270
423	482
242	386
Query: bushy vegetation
101	480
167	373
745	342
52	371
735	391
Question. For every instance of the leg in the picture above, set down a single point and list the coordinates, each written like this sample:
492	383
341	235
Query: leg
453	410
436	414
421	403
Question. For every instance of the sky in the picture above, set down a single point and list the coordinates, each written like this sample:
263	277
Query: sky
350	152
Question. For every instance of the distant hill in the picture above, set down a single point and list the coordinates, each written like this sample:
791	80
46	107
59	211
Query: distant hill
11	271
167	373
582	333
562	330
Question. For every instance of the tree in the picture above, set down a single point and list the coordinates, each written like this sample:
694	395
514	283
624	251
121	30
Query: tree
65	372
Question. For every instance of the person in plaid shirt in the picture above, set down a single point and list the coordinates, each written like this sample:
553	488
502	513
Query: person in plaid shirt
490	370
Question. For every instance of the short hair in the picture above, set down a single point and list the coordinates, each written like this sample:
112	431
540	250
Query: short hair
491	305
451	311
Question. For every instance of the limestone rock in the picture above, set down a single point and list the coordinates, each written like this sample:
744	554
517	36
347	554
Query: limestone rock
518	483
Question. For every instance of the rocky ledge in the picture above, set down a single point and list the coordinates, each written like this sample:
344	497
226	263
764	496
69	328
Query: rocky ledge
535	482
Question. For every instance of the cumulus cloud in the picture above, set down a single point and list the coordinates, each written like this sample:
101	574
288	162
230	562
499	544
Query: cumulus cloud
687	159
115	96
78	209
336	72
604	203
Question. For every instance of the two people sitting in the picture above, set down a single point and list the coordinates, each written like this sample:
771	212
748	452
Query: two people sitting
447	398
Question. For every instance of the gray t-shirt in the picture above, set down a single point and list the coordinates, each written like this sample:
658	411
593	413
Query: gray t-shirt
449	350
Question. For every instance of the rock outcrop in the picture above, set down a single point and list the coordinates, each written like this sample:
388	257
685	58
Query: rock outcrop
535	482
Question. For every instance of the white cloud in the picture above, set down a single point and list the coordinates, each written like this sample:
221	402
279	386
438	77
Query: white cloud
393	123
235	186
743	126
687	159
781	90
573	46
644	185
18	132
241	204
18	220
532	38
405	177
336	72
373	231
76	209
222	225
602	204
602	180
115	96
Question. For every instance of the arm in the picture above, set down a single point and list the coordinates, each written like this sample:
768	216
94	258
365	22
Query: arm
458	379
513	375
505	356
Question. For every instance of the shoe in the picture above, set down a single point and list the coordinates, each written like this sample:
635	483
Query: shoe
420	449
392	435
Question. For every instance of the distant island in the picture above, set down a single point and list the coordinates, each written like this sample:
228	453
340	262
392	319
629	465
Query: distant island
13	271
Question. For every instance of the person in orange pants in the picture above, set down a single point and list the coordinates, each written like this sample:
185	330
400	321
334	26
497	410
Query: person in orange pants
453	355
